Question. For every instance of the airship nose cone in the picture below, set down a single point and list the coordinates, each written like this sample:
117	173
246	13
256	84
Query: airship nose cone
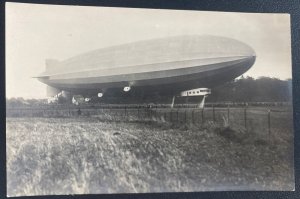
234	48
223	46
252	59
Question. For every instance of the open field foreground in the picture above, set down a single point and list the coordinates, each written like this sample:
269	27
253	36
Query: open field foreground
84	155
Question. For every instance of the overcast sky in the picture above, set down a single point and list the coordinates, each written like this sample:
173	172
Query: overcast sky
38	32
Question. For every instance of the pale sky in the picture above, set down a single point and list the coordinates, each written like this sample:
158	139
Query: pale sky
38	32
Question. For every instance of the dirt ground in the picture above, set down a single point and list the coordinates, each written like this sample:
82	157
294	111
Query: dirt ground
86	155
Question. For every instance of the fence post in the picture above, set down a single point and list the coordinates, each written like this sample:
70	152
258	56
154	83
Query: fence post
165	115
177	116
125	111
202	116
245	118
171	115
185	117
269	121
193	116
228	113
214	118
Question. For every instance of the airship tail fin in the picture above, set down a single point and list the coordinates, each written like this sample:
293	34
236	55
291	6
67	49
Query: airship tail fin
51	91
51	64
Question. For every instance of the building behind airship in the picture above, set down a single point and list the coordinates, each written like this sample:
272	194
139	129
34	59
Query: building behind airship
168	65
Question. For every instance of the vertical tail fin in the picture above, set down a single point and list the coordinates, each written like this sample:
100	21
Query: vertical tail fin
51	64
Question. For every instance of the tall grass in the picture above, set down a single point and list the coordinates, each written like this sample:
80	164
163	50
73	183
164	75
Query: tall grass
88	155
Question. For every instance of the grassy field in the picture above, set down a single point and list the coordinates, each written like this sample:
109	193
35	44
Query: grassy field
84	155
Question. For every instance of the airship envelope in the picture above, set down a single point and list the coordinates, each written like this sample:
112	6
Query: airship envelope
172	64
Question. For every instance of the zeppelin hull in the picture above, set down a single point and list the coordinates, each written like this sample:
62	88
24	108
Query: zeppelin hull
164	65
168	81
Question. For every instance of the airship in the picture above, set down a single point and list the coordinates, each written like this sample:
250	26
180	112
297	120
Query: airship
168	66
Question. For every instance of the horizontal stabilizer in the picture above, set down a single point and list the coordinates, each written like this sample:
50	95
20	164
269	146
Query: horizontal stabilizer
42	76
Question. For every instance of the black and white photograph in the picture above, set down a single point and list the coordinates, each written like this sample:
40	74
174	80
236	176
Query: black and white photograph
110	100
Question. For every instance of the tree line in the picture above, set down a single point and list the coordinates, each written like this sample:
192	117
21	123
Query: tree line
244	89
248	89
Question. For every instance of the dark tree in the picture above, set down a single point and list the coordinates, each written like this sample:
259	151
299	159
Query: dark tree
263	89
